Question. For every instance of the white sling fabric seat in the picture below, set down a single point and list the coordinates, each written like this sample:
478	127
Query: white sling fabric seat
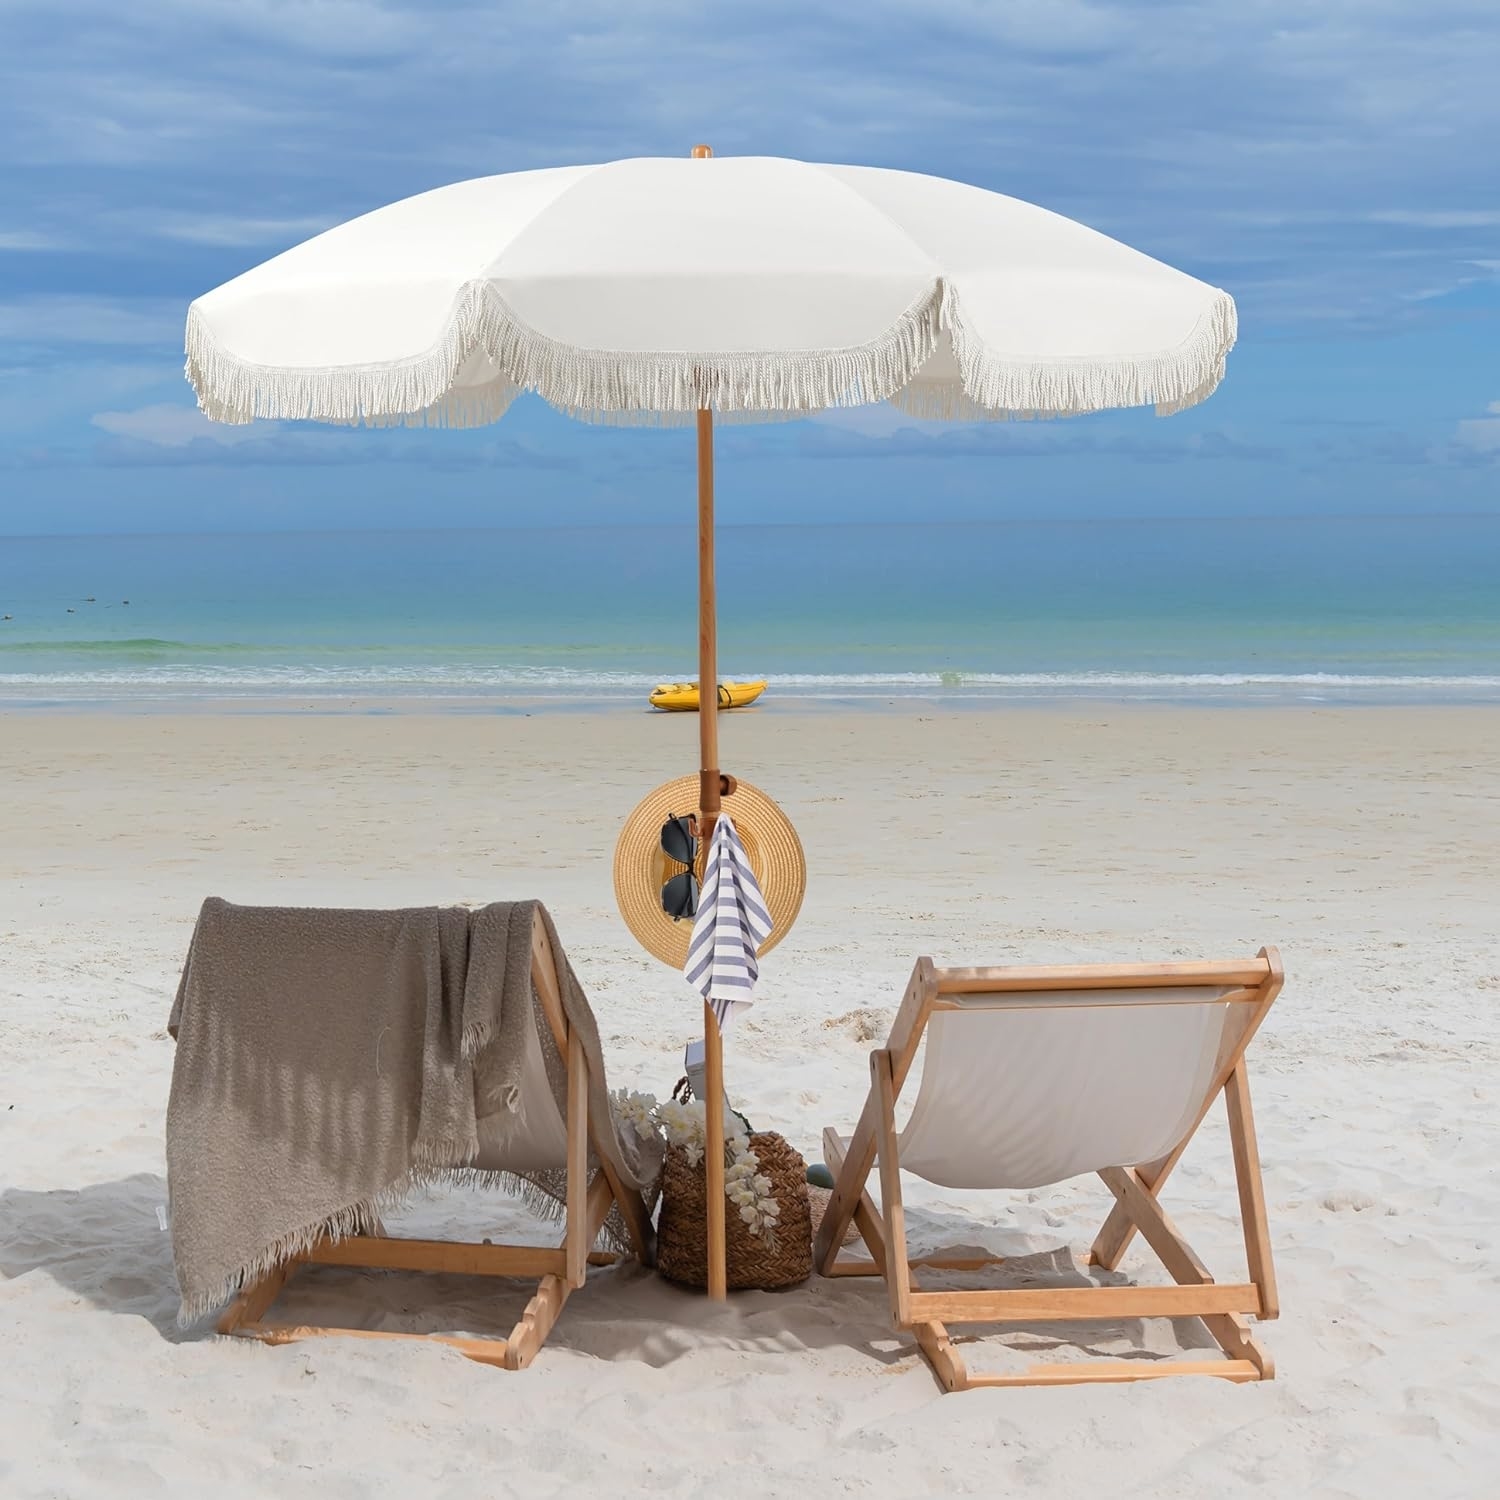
532	1137
1031	1076
1024	1089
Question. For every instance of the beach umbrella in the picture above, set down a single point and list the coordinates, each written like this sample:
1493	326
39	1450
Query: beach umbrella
677	290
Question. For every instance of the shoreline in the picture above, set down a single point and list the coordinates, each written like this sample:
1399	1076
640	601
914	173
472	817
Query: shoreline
794	705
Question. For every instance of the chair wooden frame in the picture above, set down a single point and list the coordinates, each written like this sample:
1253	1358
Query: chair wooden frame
1222	1308
560	1271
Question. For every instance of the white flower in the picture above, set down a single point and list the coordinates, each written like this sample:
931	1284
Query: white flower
684	1126
682	1123
636	1111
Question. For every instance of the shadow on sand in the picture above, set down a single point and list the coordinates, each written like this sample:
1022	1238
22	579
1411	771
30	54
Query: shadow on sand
104	1243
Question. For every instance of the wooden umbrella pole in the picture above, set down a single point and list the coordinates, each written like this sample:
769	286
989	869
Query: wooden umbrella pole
708	644
708	810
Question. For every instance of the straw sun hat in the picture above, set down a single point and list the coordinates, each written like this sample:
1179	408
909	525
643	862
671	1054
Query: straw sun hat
641	868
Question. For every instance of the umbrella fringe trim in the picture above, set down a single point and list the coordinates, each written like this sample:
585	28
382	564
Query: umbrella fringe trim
947	401
603	386
994	385
416	392
585	382
664	389
599	385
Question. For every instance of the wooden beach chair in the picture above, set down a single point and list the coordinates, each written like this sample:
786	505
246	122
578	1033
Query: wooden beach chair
552	1139
1034	1075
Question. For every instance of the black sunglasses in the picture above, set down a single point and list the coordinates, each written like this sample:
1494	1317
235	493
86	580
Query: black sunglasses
679	896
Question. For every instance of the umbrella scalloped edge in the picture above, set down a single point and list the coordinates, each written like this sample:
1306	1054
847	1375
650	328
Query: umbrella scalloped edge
664	387
1171	381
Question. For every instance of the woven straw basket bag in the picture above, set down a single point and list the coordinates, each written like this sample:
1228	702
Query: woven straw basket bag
681	1237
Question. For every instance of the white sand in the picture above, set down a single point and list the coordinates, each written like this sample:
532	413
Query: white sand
1363	842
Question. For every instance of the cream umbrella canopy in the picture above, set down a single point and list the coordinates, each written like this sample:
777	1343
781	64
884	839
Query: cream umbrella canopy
673	289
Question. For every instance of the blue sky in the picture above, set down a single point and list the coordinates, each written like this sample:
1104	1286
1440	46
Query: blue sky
1336	167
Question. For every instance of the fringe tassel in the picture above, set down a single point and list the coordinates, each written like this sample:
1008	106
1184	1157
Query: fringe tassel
1171	382
583	382
945	401
415	392
357	1218
476	1036
659	389
672	420
545	1198
667	388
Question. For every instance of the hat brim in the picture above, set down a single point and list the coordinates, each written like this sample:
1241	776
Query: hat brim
641	867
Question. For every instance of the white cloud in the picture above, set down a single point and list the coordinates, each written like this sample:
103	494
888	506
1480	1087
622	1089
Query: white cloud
41	391
25	239
1452	218
47	320
1482	434
168	426
228	230
1275	147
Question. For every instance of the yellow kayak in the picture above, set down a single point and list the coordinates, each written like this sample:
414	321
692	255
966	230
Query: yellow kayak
684	695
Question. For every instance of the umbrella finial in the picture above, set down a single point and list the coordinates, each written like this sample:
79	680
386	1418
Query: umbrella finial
699	152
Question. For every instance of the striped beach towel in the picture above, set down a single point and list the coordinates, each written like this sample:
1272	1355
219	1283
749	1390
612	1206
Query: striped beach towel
732	923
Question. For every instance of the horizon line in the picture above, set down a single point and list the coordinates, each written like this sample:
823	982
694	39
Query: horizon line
725	526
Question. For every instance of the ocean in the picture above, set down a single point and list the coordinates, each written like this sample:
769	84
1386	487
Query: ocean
1356	609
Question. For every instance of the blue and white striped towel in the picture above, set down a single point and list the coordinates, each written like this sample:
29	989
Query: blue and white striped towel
732	923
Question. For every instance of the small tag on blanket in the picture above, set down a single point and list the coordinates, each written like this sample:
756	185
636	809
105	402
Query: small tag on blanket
162	1221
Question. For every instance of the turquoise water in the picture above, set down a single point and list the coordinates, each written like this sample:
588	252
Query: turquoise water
1358	609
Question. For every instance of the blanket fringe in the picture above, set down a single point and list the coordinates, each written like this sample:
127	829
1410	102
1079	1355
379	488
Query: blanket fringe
476	1036
357	1218
364	1218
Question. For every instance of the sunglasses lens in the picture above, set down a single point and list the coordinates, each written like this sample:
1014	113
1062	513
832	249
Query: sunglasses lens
679	896
676	842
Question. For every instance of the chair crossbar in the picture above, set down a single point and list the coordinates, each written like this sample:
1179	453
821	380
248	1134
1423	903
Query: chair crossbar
1100	976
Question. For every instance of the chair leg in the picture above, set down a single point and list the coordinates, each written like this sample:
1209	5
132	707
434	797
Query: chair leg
577	1242
1230	1331
866	1216
632	1210
255	1300
1252	1190
858	1160
535	1323
897	1272
938	1350
1117	1231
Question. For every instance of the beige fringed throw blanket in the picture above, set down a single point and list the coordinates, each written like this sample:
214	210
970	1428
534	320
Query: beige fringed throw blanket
329	1061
